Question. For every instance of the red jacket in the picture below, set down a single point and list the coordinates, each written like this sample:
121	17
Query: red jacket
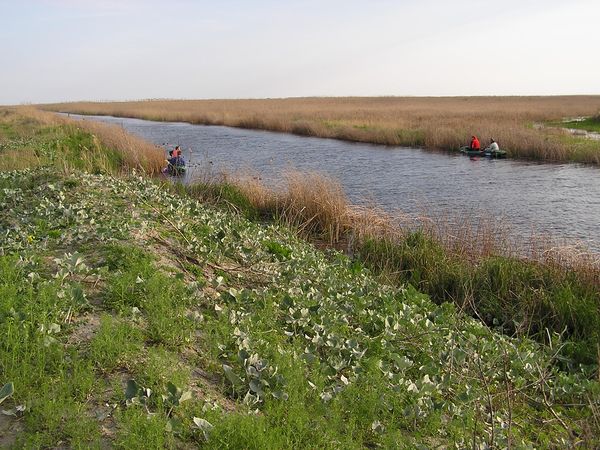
475	145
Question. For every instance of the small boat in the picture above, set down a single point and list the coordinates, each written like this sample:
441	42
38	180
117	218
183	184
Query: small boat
487	153
174	171
495	153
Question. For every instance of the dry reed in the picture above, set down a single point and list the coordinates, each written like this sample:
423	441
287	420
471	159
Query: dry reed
437	123
135	152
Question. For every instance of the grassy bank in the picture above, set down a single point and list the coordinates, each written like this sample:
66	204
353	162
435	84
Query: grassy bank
437	123
134	317
588	124
533	289
33	138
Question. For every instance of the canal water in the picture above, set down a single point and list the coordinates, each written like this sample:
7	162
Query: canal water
561	200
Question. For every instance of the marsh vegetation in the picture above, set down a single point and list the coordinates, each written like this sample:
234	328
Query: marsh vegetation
430	122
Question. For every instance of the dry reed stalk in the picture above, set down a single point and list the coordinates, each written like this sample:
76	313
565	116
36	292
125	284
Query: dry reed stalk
316	202
136	152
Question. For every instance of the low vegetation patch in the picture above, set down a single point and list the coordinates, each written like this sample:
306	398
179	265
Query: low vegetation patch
587	124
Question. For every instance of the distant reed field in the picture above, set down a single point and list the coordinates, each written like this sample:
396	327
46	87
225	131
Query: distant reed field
431	122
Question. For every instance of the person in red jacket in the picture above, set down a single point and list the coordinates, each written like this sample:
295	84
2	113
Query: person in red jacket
475	145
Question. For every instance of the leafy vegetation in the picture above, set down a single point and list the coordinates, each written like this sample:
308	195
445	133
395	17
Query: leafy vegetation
138	319
510	294
549	290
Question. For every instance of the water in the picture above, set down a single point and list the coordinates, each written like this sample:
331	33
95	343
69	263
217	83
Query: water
562	200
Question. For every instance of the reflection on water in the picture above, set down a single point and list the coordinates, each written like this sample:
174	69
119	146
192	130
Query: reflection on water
560	199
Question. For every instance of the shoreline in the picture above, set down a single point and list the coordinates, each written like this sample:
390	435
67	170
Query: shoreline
431	124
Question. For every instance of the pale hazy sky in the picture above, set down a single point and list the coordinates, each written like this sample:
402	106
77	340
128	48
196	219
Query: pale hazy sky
63	50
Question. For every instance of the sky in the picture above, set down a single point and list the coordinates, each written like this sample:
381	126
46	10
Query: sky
69	50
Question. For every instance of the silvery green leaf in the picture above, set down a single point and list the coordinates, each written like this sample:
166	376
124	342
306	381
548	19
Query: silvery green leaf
250	399
256	387
232	376
48	341
186	395
377	426
280	395
203	424
412	387
131	390
326	396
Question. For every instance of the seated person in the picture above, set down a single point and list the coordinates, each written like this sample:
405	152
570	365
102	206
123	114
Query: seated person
176	161
475	145
493	147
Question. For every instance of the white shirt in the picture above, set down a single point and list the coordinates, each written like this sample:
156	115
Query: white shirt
493	147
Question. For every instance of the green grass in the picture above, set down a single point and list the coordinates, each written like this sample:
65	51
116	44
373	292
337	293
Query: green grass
588	124
511	295
26	143
117	343
224	194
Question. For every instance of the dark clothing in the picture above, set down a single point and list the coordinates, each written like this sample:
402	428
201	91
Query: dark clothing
177	161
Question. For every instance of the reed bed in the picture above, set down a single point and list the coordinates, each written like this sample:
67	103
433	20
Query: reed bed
437	123
133	153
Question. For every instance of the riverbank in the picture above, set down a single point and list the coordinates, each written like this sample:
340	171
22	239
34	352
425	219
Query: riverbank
135	315
530	289
444	123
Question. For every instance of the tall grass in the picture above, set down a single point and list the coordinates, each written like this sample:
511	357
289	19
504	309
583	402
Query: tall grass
532	287
437	123
130	152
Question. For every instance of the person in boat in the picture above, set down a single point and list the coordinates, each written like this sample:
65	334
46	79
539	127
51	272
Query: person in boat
493	147
475	145
176	163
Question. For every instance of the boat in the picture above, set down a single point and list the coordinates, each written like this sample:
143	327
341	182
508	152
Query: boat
495	153
174	171
486	153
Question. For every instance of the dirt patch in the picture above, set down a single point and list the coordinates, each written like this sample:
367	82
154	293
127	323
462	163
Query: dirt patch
206	386
10	428
84	329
